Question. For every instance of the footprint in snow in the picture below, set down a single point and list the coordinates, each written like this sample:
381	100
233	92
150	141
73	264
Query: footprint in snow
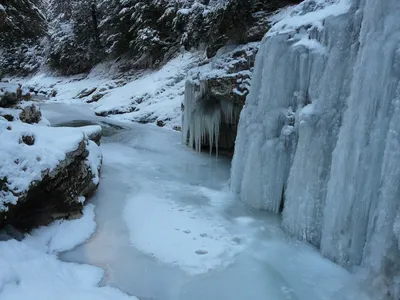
237	240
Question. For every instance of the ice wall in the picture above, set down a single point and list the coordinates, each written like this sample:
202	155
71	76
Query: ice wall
320	132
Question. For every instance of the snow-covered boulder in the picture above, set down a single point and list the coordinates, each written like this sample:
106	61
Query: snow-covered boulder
11	94
214	96
45	172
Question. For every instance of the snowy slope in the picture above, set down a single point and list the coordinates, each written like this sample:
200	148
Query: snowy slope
148	97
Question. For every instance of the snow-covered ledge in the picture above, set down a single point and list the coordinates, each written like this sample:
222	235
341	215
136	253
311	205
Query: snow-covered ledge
45	172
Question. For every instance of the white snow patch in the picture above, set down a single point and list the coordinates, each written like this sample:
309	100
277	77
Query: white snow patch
30	269
94	159
309	12
181	235
63	235
149	96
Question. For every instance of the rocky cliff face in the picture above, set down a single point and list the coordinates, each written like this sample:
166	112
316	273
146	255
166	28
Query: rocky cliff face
215	93
319	134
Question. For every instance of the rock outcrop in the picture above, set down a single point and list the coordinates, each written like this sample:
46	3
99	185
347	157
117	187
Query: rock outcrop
60	193
214	96
45	172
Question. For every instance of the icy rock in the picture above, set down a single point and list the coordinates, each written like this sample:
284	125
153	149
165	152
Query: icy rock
214	96
336	170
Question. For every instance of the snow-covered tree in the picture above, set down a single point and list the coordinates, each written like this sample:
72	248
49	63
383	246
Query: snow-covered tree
22	25
74	36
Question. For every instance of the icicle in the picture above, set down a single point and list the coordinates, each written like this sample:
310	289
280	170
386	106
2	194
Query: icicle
339	163
203	116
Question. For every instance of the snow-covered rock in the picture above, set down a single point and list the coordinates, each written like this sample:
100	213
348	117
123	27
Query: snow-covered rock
319	132
44	171
214	96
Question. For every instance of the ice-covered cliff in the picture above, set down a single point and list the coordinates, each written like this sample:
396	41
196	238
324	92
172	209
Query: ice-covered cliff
320	132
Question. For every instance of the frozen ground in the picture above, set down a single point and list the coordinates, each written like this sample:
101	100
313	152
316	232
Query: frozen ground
168	228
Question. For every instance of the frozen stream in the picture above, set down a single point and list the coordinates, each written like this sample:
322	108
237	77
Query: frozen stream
169	229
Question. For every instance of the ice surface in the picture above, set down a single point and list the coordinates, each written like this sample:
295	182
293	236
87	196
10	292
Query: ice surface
168	228
332	164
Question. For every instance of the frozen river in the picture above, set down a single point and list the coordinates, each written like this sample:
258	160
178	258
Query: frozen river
168	227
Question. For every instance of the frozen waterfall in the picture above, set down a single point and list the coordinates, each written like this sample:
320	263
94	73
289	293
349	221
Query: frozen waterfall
320	132
203	116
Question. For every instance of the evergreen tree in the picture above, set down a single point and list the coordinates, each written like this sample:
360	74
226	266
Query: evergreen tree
74	37
22	25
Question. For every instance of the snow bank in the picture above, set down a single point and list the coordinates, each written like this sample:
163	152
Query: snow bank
154	96
62	235
30	269
149	96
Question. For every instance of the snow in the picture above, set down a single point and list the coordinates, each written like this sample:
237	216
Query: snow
146	96
208	245
337	172
157	95
63	235
91	130
30	268
309	12
94	160
23	164
6	87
